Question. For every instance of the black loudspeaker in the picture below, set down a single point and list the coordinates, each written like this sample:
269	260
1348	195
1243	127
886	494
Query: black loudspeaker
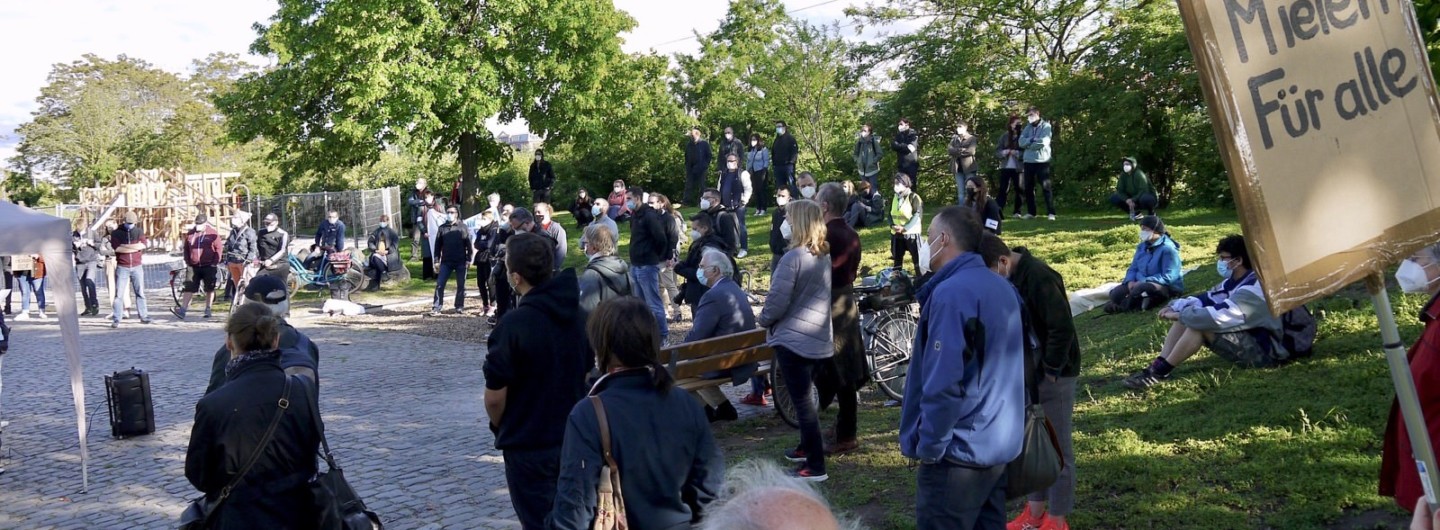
127	395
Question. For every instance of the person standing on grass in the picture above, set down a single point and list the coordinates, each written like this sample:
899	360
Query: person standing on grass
535	368
697	164
963	415
203	250
734	193
129	242
452	248
730	146
849	373
1232	319
778	240
868	153
1133	191
1058	356
384	246
905	214
1420	273
542	178
1035	141
785	154
757	162
962	158
906	145
1007	150
652	241
797	315
1155	275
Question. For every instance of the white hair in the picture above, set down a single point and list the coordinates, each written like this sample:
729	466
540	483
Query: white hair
719	260
750	483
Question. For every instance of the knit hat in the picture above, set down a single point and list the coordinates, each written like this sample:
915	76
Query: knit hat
1153	223
130	217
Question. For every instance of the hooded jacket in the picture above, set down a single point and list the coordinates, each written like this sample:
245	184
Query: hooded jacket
1133	184
726	225
965	400
1157	262
540	355
867	155
542	174
901	145
240	245
605	277
203	247
1043	291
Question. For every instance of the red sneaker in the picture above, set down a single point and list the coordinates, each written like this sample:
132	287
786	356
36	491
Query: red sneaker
754	400
1026	521
1052	524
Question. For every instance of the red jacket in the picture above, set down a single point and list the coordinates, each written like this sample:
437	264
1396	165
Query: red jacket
1398	476
203	248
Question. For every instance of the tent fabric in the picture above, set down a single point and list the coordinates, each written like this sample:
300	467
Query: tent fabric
30	232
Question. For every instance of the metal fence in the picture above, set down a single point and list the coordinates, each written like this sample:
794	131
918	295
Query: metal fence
301	213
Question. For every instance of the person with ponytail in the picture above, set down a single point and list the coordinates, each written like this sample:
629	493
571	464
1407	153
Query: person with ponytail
231	423
668	462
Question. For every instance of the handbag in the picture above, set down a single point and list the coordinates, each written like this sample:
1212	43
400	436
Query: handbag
198	514
1040	460
337	505
610	505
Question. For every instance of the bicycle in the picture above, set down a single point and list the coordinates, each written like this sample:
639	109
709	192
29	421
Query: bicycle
888	323
179	274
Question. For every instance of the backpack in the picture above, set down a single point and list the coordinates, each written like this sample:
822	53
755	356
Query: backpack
1297	332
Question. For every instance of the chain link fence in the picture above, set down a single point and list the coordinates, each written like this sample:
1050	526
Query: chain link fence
301	213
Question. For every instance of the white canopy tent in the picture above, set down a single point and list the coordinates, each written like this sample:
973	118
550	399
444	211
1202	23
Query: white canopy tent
31	232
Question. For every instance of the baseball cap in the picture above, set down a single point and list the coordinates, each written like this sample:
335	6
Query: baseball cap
268	290
201	219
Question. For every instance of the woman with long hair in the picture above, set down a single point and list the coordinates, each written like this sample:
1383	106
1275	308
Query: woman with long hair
669	465
797	314
977	197
1011	163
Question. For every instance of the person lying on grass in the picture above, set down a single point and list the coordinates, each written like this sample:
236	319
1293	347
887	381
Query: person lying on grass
1232	319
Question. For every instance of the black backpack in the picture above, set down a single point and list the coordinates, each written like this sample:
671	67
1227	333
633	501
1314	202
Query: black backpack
1297	332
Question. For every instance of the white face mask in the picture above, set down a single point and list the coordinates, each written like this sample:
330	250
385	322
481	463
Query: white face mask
595	210
1127	167
729	136
902	127
899	190
1146	235
1033	118
272	224
705	204
779	130
754	143
1412	278
781	201
960	131
864	134
732	165
450	217
334	220
785	229
807	192
926	254
384	225
694	234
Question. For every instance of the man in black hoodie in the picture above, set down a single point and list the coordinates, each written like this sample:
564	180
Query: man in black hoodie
653	238
452	250
906	145
784	152
542	177
697	164
535	369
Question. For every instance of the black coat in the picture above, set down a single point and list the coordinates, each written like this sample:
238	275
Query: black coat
697	157
229	423
581	210
727	226
296	351
452	244
485	238
542	175
778	244
901	145
784	150
1043	291
692	290
730	147
653	237
392	246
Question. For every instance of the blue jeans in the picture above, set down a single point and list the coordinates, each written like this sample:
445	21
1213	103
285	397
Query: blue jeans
646	279
799	374
28	285
951	496
447	269
135	277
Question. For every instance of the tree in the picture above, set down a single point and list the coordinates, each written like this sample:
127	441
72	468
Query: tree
716	84
355	76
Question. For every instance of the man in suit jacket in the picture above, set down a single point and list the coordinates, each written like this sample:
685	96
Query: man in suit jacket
723	310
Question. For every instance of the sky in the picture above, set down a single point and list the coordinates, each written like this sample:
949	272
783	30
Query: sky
172	33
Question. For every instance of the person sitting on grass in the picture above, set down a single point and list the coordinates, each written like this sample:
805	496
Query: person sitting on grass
1232	319
1133	191
1155	274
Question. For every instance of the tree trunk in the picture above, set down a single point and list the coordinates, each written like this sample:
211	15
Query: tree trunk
469	175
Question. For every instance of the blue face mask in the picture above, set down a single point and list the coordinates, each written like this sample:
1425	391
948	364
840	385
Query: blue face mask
1223	267
700	276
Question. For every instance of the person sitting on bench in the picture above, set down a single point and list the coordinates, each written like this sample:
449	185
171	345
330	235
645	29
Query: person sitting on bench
723	310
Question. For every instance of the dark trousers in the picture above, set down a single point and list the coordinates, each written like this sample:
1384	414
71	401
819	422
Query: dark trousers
540	196
504	297
376	268
1038	175
912	169
10	284
799	373
531	476
1145	201
427	268
482	281
416	239
1010	178
899	245
846	426
785	178
955	497
694	184
88	273
760	180
447	270
1143	297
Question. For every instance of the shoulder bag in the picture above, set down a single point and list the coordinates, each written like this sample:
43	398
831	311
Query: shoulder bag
198	514
610	505
1040	460
337	505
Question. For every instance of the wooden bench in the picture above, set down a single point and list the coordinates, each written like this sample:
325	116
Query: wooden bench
687	361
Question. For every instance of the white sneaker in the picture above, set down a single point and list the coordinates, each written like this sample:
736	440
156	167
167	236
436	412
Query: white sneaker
1052	217
1018	216
22	316
41	316
1028	216
742	253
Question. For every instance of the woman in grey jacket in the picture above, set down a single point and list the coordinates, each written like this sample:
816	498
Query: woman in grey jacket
797	313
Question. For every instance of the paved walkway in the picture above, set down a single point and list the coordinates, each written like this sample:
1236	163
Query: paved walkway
403	412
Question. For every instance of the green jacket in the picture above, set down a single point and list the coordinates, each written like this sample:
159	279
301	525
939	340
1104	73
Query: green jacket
1133	184
1048	306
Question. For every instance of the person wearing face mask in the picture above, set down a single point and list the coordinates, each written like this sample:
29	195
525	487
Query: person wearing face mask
618	210
486	232
977	197
906	211
434	217
653	240
453	248
542	177
1418	274
329	237
415	215
723	310
1035	142
779	240
203	250
555	231
867	155
536	364
1056	354
785	152
735	190
605	275
1155	274
697	163
240	251
848	374
1232	319
129	242
757	162
110	265
598	207
669	282
272	248
729	146
384	248
805	183
1133	191
581	209
1007	151
962	157
87	269
703	235
963	414
906	145
727	225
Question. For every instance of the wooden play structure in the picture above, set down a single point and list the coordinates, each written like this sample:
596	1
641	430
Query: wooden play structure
166	201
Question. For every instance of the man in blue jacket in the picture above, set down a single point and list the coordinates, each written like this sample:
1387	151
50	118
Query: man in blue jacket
963	416
329	237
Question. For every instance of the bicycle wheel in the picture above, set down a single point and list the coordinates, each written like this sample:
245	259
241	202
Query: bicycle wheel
889	356
177	284
784	406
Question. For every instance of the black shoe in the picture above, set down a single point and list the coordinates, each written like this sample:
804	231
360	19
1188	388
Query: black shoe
710	414
727	412
1143	379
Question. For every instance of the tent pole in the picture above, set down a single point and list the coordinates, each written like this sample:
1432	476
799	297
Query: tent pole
1405	394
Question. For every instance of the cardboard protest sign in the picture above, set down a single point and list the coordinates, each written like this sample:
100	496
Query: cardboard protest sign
1327	118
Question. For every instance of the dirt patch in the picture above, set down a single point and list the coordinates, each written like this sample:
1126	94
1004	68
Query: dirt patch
1372	519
